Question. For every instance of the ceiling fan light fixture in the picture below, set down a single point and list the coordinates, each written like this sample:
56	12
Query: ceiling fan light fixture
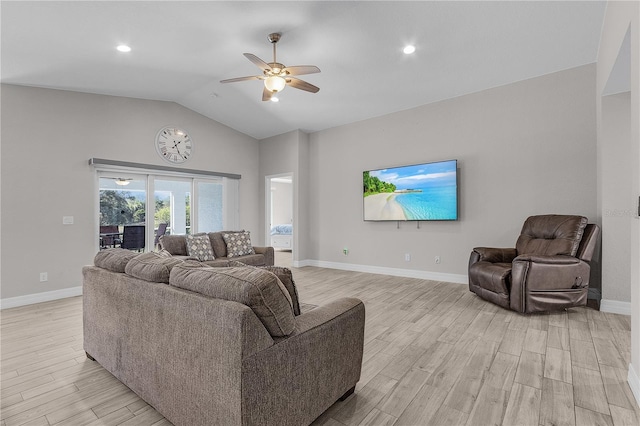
409	49
275	83
122	182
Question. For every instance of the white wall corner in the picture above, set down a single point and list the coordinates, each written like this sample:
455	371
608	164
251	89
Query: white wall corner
615	307
634	383
30	299
396	272
301	263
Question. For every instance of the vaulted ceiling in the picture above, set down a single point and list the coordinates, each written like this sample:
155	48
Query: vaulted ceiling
181	51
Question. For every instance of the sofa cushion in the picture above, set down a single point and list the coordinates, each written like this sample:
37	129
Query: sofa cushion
174	244
238	244
284	275
256	288
114	259
153	266
199	246
218	244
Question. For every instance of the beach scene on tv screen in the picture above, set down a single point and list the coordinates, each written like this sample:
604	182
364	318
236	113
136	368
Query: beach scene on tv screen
419	192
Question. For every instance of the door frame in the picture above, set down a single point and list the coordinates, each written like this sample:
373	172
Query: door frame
267	206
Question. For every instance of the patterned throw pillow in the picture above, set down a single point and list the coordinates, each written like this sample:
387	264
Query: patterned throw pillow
199	246
238	244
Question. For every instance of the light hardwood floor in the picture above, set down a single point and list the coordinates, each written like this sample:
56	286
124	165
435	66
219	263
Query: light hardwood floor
435	354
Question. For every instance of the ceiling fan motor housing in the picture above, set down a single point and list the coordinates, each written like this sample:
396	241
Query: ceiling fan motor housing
274	37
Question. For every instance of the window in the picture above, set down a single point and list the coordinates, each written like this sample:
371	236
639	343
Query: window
136	208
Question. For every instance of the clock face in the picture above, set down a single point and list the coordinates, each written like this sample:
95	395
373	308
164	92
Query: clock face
174	145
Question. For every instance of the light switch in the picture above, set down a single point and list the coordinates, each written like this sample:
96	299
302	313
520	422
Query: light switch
67	220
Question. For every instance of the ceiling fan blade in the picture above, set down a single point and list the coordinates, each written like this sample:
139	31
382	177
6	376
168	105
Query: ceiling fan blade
233	80
266	94
259	62
302	85
301	69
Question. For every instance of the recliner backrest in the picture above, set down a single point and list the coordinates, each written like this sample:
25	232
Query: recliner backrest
588	244
551	235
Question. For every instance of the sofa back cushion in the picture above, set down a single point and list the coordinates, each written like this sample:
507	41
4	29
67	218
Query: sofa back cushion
152	266
174	244
218	244
551	235
114	259
284	275
256	288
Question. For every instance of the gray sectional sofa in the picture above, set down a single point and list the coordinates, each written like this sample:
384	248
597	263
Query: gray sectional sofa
177	246
218	345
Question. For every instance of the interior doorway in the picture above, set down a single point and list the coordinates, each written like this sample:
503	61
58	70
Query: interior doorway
279	220
618	192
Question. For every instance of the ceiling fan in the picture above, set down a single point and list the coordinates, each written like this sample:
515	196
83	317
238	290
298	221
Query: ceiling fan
276	76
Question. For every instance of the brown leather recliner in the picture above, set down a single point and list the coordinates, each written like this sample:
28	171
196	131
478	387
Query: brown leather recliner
547	270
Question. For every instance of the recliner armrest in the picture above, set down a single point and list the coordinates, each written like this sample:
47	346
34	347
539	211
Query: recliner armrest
493	255
535	277
551	260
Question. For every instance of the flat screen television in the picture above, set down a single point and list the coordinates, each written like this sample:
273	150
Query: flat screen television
420	192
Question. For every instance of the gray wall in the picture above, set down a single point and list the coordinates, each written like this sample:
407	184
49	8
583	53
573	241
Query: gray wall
289	153
48	137
523	149
616	197
282	198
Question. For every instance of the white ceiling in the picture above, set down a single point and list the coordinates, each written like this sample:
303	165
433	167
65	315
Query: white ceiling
181	50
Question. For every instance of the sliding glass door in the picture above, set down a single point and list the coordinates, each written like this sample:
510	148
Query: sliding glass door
123	211
136	209
172	205
210	214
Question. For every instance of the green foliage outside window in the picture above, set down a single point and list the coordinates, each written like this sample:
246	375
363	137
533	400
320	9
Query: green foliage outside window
120	208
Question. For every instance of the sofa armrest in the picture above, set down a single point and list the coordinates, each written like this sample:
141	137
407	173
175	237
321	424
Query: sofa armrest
322	357
492	255
269	255
319	316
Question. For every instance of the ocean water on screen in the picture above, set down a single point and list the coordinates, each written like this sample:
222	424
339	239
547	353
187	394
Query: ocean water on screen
433	203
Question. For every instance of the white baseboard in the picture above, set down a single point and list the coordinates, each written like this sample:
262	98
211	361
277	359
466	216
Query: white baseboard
301	263
397	272
634	383
615	307
30	299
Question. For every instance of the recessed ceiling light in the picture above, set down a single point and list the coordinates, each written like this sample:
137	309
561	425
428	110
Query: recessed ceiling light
408	50
274	99
123	48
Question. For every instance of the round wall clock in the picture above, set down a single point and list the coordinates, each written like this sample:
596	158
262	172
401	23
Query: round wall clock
174	145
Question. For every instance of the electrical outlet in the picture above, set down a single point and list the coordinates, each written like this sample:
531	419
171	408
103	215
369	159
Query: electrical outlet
43	277
437	259
407	257
345	251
